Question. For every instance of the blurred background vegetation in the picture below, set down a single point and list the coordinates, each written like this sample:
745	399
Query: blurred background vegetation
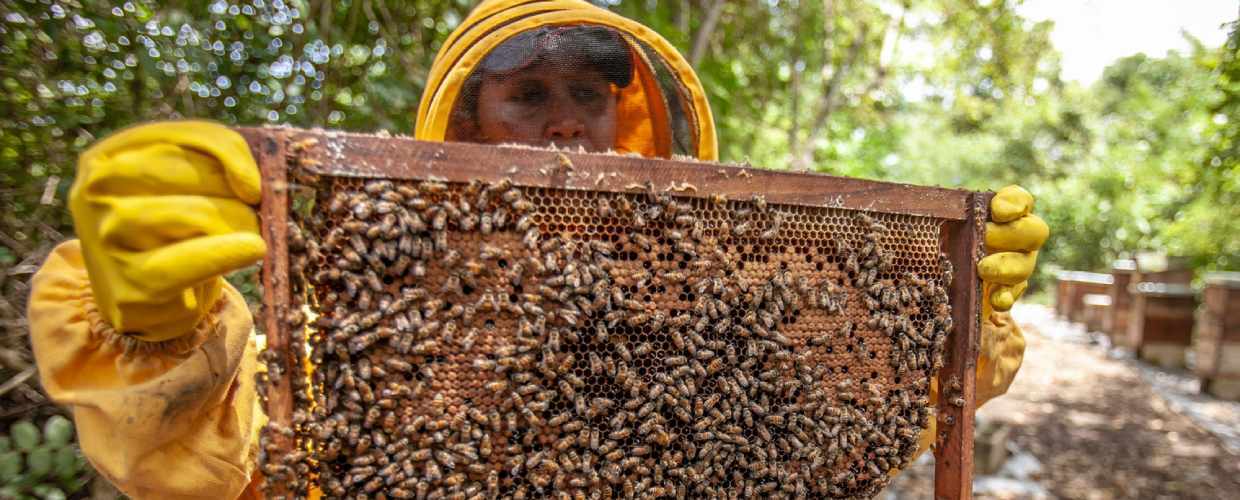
949	92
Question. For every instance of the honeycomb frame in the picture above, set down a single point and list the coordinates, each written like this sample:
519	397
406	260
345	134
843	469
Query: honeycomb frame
563	190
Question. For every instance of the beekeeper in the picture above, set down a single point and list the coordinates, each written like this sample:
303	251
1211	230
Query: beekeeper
135	329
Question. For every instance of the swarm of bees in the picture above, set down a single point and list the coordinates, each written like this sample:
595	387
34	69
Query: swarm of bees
489	340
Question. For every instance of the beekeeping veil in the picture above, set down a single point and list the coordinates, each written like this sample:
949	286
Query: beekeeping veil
661	108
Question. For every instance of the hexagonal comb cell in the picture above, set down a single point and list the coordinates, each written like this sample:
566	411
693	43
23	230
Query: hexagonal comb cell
507	339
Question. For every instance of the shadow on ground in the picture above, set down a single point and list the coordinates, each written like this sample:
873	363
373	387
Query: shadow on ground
1098	428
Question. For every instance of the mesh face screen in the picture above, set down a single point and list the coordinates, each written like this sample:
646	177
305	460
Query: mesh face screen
486	338
569	68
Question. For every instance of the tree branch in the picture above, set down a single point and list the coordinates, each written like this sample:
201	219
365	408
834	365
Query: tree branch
704	32
327	34
390	29
831	87
794	87
682	16
887	54
17	380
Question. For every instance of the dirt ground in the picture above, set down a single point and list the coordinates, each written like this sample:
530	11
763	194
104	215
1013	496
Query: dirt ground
1089	422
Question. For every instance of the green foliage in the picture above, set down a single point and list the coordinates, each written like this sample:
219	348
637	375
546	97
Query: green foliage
951	92
1117	167
246	281
1206	225
74	71
817	84
41	464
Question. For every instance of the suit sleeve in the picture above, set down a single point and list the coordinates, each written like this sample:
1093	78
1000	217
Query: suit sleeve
172	420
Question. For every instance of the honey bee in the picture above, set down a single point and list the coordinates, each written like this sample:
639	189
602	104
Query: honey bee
759	202
637	319
531	238
948	270
741	229
398	365
642	241
602	247
624	352
673	277
511	195
604	208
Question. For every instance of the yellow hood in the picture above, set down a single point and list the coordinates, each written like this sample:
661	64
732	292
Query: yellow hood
648	122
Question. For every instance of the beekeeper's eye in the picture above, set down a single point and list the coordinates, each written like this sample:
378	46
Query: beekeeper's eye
587	93
530	93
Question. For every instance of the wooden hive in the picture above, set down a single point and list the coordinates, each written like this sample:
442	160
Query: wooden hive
1217	342
605	324
1160	327
1073	287
1063	289
1116	321
1095	309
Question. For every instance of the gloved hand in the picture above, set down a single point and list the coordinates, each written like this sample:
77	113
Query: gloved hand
162	211
1012	242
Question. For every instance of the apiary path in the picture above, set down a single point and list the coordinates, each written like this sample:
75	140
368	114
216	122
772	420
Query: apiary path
1104	427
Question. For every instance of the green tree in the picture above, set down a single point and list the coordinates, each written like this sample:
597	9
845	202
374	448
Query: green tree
816	84
1204	226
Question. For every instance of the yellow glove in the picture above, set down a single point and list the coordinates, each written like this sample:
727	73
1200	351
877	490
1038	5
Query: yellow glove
1012	241
161	210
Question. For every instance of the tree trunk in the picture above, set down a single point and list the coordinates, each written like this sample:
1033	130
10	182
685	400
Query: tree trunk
704	32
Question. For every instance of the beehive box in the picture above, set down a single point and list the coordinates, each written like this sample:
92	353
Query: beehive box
1217	342
1161	324
1116	322
1095	307
1073	287
478	321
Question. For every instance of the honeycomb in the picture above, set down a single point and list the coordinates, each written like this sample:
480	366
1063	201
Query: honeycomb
500	341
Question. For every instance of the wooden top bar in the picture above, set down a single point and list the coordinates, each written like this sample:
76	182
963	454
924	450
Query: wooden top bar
371	155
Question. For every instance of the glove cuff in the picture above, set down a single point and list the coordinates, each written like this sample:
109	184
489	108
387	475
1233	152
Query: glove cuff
135	344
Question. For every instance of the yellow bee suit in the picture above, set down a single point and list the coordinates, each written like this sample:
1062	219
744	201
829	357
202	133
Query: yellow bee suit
170	420
178	417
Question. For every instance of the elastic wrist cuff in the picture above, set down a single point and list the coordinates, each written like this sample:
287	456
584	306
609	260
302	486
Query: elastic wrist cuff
133	342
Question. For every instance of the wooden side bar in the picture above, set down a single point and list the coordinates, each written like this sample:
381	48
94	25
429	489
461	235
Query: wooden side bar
953	454
269	151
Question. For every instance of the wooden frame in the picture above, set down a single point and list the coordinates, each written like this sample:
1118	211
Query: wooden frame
961	212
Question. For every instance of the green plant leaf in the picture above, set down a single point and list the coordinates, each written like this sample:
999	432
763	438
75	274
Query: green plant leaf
54	494
39	462
25	435
10	467
58	430
65	463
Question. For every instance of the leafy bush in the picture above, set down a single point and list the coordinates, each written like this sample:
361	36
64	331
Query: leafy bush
41	463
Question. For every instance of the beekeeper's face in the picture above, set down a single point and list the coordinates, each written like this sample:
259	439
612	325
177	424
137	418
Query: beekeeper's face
548	104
